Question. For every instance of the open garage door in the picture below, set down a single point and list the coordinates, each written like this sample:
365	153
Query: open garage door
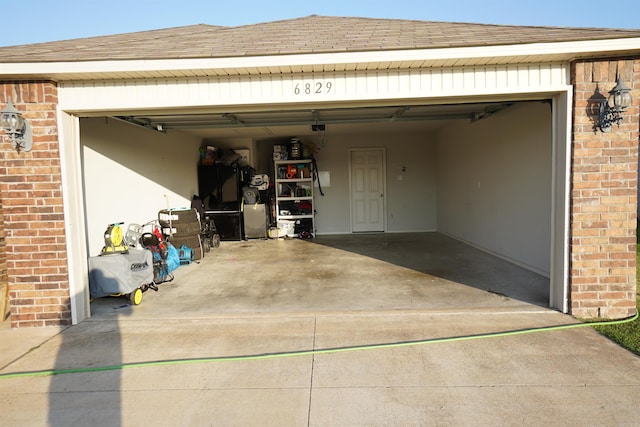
479	173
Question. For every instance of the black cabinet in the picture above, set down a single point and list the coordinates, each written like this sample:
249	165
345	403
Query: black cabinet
229	224
219	186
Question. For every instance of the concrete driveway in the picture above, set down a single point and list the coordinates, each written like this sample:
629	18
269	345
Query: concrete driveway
209	357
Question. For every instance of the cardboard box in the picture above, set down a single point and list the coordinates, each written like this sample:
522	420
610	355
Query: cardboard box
286	228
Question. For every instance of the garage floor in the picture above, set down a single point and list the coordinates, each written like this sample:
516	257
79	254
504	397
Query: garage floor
344	273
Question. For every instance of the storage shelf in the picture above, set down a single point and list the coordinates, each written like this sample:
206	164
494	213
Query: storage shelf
293	199
303	185
292	162
296	180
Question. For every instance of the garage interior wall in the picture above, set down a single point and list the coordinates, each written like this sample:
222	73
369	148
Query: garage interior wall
411	195
494	184
131	173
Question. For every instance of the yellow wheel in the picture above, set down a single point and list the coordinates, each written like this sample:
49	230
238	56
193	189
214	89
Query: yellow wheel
135	297
113	236
116	235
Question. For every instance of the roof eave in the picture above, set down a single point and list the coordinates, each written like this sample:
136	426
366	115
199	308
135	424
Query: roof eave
320	62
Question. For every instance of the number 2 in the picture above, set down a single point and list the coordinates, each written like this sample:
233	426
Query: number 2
316	88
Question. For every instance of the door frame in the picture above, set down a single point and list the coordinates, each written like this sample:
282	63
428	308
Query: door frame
562	111
384	186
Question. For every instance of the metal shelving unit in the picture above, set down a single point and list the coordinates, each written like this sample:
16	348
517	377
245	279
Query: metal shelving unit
294	192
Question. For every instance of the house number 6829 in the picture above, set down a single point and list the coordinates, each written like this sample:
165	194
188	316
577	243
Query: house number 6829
315	88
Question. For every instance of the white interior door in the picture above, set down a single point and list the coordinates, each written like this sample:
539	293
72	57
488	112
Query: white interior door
367	190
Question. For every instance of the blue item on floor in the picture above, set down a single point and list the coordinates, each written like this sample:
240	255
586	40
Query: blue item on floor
186	255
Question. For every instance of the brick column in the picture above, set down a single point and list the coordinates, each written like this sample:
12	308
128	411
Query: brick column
603	195
3	260
31	193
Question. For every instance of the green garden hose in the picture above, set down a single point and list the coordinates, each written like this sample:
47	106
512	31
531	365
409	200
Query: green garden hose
50	372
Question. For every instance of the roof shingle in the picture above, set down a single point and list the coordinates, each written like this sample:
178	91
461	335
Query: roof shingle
311	34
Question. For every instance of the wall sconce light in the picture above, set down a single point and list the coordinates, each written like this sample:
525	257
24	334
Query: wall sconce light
16	127
611	108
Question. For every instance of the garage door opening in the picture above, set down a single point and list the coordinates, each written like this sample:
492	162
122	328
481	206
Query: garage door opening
484	180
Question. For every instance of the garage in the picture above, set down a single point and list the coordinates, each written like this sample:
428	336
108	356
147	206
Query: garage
472	141
479	173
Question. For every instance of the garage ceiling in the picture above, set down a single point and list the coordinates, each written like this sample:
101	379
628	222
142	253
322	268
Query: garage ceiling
276	123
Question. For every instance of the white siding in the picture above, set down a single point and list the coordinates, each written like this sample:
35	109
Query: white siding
122	95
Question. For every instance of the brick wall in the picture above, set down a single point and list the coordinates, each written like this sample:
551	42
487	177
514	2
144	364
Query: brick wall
603	195
31	193
3	260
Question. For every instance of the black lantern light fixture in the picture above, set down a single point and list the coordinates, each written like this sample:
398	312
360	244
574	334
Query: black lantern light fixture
611	109
16	127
